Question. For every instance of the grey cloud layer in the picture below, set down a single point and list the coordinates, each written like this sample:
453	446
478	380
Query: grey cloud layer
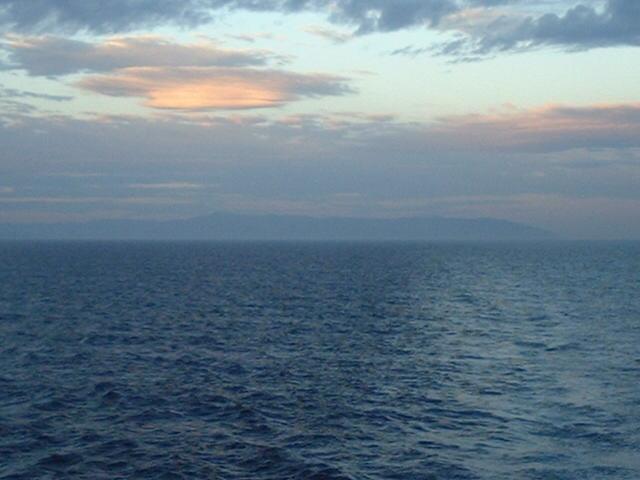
54	56
554	129
13	93
582	26
125	15
545	155
122	15
551	129
98	15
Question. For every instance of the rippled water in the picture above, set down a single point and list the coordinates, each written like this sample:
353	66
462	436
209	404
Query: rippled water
319	361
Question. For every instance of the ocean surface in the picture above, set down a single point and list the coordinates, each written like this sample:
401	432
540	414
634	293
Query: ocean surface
319	361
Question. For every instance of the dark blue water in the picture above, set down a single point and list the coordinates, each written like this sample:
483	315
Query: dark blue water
319	361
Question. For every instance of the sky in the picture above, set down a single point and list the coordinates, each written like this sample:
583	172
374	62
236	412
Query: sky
524	110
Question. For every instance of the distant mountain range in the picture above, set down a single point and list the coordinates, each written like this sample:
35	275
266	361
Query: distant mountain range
230	226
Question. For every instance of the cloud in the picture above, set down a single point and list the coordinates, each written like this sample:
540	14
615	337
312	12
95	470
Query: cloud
82	175
166	186
330	34
101	17
390	15
548	128
124	15
53	56
4	189
97	200
170	75
253	37
485	26
457	165
581	27
411	51
13	93
466	142
15	101
202	88
506	131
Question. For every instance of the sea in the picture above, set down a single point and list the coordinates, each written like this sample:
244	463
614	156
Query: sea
319	361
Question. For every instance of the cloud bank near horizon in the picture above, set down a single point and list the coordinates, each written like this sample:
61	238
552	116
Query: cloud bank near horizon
516	163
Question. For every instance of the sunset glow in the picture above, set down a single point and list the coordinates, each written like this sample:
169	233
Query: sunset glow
395	109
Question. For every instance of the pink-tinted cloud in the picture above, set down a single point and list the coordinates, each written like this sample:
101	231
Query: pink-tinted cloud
207	88
169	75
548	128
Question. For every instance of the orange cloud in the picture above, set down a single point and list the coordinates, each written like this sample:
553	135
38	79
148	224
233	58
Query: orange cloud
209	88
224	93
